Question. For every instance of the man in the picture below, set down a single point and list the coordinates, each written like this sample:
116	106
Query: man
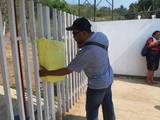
93	59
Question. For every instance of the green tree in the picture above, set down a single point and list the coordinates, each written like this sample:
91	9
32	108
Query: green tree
3	7
120	12
103	11
59	4
145	5
132	11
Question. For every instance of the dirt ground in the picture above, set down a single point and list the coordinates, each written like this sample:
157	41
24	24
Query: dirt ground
133	100
10	64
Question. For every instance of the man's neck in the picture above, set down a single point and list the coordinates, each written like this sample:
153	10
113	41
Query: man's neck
87	38
89	35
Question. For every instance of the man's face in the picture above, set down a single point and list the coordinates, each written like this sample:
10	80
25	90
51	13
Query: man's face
78	36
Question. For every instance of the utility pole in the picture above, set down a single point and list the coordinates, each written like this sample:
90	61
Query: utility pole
111	4
112	8
94	10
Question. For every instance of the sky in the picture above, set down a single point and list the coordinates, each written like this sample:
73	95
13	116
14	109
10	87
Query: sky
117	3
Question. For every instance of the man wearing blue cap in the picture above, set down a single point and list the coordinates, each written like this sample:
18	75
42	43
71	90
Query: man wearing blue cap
93	59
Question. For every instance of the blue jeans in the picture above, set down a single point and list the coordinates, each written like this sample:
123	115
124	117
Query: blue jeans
97	97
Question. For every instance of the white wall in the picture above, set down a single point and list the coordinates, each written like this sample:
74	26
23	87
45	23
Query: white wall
126	39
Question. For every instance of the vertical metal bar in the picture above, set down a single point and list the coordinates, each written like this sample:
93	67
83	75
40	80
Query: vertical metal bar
59	83
81	83
59	26
35	59
3	63
79	78
40	20
46	22
26	58
56	36
63	22
76	74
70	58
41	34
55	26
47	32
85	82
67	62
20	61
15	58
51	101
46	110
69	81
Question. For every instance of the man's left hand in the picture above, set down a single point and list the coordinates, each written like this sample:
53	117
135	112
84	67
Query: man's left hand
43	71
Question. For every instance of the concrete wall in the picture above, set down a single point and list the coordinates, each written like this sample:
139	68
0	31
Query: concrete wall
126	39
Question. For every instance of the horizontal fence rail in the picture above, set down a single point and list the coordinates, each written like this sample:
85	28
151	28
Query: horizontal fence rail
38	100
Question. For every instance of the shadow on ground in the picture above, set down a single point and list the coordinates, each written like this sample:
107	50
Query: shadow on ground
137	80
157	107
72	117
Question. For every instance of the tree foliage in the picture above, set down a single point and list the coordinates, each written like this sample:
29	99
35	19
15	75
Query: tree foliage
145	8
3	7
59	4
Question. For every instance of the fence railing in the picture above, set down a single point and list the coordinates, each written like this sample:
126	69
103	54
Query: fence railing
41	100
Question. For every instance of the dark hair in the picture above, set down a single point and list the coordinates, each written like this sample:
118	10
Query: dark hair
154	33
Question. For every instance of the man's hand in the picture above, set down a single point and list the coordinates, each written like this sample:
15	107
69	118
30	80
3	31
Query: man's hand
58	72
43	71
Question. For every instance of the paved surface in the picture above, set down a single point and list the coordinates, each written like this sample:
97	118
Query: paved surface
133	100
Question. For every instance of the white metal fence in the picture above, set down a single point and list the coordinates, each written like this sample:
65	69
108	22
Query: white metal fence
44	101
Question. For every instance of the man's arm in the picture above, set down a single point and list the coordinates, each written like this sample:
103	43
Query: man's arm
58	72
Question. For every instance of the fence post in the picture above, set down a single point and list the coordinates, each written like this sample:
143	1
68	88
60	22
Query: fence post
3	63
50	86
70	58
41	34
15	58
35	59
26	58
67	87
40	20
55	25
63	26
59	112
